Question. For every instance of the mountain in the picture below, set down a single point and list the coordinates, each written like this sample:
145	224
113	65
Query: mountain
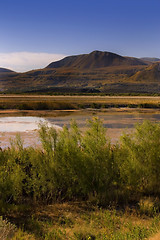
94	72
150	59
150	74
5	70
95	59
5	76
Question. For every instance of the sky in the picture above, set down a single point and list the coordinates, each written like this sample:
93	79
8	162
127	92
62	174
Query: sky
34	33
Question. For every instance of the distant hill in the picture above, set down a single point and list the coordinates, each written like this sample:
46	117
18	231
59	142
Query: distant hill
5	70
97	71
5	75
150	59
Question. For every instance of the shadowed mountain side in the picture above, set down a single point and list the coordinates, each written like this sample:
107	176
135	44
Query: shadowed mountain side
5	70
5	75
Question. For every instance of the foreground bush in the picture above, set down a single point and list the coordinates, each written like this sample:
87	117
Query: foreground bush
71	165
139	160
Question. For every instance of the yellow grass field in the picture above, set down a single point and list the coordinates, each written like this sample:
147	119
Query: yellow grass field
44	102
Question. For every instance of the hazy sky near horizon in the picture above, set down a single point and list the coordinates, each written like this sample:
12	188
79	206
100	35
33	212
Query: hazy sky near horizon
37	32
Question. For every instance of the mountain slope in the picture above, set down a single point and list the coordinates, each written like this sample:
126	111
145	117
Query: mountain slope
5	75
150	74
5	70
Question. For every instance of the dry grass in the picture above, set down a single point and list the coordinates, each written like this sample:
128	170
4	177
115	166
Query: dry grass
81	220
7	229
45	102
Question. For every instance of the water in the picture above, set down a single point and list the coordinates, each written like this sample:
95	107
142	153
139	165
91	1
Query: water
115	122
110	120
27	128
118	120
21	124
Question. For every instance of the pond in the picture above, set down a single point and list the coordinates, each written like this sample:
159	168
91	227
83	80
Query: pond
25	126
21	124
115	122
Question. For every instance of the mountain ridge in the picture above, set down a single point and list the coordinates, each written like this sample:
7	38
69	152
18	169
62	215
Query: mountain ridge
98	71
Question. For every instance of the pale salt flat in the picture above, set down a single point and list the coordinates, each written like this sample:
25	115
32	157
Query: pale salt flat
22	124
27	128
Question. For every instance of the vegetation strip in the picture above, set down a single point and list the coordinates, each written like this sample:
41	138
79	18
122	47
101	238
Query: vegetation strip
42	102
73	166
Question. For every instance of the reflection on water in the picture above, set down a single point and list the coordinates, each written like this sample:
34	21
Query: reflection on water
112	121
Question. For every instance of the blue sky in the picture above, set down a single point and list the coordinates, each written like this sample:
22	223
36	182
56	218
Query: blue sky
58	28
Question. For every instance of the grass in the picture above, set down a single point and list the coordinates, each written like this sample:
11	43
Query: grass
45	102
7	230
82	221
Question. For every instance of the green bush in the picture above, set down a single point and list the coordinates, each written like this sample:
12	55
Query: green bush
98	161
139	159
71	165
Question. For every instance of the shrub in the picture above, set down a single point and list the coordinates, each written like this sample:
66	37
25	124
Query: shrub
71	165
139	159
98	161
